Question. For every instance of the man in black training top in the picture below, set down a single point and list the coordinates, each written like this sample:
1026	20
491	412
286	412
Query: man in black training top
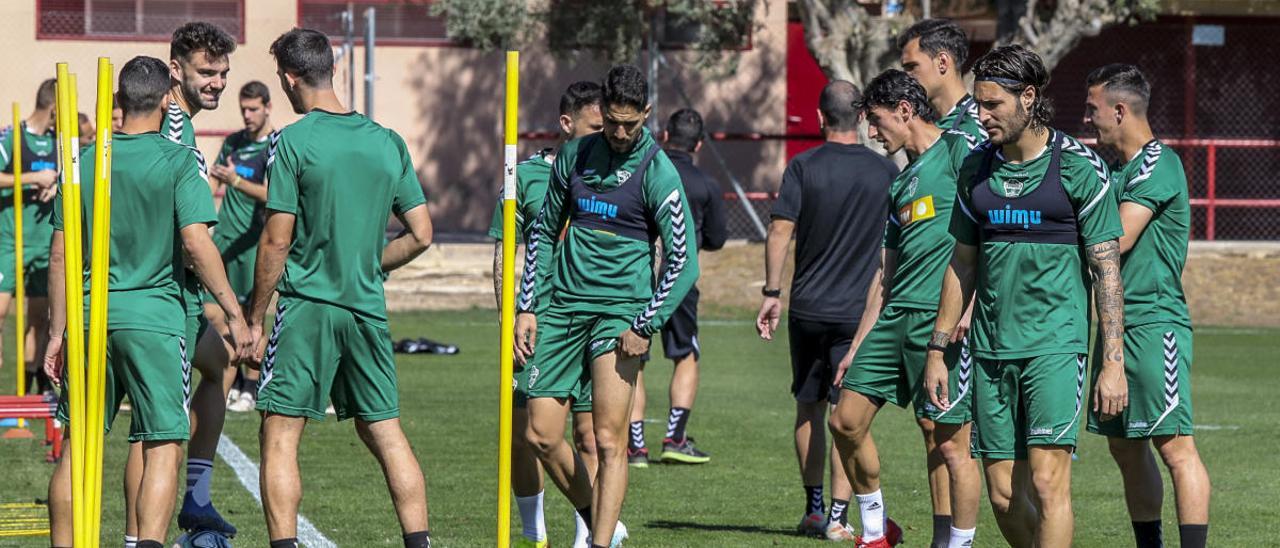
832	199
682	139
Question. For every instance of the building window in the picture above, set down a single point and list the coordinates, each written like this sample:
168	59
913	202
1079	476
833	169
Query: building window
396	22
133	20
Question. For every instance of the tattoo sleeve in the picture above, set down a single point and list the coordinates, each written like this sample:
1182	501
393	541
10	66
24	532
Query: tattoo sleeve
1104	263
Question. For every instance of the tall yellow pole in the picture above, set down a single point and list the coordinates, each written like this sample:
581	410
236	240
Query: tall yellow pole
100	257
508	298
20	292
74	358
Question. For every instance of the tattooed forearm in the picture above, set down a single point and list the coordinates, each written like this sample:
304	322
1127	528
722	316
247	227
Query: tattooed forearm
1108	294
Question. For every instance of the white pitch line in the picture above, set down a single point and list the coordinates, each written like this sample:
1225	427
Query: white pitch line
247	472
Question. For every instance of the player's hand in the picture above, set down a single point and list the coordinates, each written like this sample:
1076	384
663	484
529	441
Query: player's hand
242	346
47	194
632	344
526	336
767	319
843	366
962	328
44	178
1111	391
224	172
53	359
935	380
259	345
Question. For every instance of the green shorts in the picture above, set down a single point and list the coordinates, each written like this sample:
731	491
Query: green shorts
567	344
581	400
152	369
194	328
37	238
321	352
1157	364
1028	401
889	366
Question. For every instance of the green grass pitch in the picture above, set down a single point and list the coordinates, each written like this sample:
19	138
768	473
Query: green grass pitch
749	495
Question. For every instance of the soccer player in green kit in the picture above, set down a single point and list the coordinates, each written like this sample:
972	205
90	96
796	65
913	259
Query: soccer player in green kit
1032	206
336	178
933	52
199	59
619	193
579	117
39	175
902	307
163	207
241	169
1156	215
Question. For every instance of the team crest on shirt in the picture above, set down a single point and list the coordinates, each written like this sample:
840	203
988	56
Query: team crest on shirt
1013	187
622	176
912	186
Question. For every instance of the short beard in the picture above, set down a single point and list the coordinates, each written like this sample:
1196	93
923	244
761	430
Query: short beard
1014	127
192	95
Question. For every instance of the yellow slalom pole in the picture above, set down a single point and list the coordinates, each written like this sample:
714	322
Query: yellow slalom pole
100	257
74	356
508	298
20	292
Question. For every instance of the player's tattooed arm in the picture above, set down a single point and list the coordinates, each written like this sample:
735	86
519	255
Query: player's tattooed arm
940	339
1104	263
1111	390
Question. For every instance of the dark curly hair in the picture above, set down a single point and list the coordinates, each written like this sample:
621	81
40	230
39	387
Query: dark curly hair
894	86
1015	68
625	85
198	35
936	36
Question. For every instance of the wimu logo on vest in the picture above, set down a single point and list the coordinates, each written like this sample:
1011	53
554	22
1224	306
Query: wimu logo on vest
1010	216
602	208
43	166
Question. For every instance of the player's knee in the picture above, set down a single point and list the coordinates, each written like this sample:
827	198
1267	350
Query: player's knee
842	424
609	444
1179	454
955	453
1127	453
1051	486
584	440
542	443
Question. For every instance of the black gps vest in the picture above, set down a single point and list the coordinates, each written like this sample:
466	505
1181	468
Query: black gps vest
1044	215
620	210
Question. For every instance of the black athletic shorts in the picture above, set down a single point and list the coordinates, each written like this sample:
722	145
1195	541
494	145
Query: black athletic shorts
816	351
680	334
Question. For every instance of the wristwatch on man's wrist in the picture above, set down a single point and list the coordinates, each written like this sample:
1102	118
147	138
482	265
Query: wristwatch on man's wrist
774	293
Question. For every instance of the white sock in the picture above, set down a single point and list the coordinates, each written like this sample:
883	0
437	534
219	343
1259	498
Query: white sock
581	531
961	538
531	517
199	476
871	507
130	542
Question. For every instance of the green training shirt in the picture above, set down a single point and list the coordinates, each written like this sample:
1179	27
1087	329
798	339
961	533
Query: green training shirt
157	188
532	176
921	198
177	127
241	217
604	264
1152	270
39	154
964	117
341	176
1033	298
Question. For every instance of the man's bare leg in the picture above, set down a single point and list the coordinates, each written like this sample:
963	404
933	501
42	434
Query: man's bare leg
1190	487
1051	485
280	479
1008	483
208	414
405	481
851	433
133	468
61	534
159	488
545	435
613	386
526	477
964	482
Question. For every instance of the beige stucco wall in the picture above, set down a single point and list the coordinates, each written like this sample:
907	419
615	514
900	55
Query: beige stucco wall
445	101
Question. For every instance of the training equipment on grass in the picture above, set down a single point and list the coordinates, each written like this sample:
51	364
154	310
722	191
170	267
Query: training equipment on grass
85	379
508	297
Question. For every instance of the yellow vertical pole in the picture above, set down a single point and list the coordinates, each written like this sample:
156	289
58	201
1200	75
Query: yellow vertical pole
98	276
508	298
20	292
74	361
